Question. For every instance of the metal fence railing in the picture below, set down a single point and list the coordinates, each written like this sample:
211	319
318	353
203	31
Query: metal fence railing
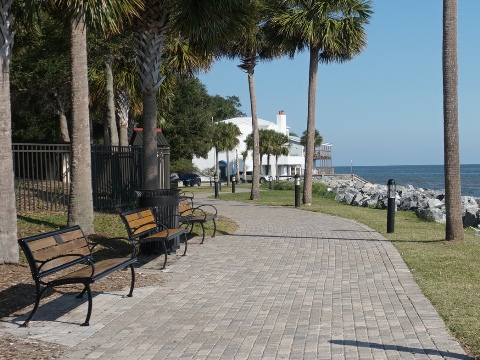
42	176
117	171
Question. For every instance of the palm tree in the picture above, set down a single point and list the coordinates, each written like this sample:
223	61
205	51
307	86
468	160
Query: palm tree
317	140
207	25
224	138
250	47
453	206
267	138
333	32
281	146
107	19
265	144
244	158
232	132
8	212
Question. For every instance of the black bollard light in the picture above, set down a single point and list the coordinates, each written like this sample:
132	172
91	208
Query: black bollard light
215	184
233	184
391	206
297	190
270	186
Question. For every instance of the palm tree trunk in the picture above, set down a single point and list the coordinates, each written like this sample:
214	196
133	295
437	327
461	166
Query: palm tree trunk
312	90
150	39
63	125
453	206
255	193
80	209
217	173
112	124
123	107
228	168
237	163
8	210
150	140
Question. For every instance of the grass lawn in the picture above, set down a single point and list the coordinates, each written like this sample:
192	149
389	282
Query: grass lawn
447	272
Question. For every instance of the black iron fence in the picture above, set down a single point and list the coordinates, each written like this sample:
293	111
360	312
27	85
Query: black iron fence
42	176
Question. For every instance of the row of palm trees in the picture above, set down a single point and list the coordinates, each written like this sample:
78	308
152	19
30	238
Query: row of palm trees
249	30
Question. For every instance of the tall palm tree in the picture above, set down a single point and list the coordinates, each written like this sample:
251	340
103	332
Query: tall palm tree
106	17
207	24
250	47
8	212
453	205
332	31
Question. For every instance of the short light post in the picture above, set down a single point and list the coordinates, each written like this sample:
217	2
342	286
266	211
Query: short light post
234	180
391	190
270	186
215	184
297	190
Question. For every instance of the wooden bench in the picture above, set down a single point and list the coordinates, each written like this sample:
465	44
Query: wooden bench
197	215
142	227
65	257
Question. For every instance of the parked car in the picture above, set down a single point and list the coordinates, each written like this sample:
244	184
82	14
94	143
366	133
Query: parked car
263	178
190	179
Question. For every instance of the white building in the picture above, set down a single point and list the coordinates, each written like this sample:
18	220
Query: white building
288	165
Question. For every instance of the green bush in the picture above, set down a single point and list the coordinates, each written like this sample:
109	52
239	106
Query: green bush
284	185
318	190
183	166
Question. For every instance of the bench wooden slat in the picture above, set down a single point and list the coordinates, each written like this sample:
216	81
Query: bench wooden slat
100	268
60	261
164	234
48	241
78	246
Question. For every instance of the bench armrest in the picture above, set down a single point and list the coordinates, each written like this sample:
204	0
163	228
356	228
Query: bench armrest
211	209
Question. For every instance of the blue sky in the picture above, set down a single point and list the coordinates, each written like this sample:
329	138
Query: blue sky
385	107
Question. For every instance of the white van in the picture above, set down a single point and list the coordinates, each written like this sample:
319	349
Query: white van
263	178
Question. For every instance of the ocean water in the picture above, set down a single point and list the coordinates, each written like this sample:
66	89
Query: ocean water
424	176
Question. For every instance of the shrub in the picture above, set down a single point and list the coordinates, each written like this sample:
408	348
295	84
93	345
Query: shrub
284	185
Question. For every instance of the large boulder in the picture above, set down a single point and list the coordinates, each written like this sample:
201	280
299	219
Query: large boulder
471	216
431	214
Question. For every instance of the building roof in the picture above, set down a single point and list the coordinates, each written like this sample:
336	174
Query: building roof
137	138
248	121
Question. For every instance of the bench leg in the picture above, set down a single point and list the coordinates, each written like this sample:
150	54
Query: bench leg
35	307
186	244
132	284
214	227
89	313
203	232
165	252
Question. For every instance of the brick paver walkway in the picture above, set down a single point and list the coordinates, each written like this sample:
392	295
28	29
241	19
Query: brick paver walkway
289	284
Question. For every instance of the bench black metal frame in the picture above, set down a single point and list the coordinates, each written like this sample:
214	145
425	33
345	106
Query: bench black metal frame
50	253
197	215
142	227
